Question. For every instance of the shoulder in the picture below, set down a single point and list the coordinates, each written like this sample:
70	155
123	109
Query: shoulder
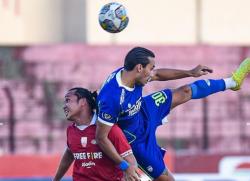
70	131
110	83
110	92
70	127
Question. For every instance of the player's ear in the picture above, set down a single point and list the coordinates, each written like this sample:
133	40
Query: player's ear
139	68
83	101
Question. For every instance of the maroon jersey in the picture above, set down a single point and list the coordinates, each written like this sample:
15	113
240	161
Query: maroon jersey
91	164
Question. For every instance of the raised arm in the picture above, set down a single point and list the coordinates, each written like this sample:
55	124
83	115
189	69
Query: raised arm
172	74
64	165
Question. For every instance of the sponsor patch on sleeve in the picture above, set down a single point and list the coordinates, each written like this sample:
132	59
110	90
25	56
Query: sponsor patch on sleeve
107	116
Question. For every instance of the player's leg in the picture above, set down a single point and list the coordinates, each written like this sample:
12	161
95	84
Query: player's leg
181	95
203	88
196	90
240	74
150	160
148	154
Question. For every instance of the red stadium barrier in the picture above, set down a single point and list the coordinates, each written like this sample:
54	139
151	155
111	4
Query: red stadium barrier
29	165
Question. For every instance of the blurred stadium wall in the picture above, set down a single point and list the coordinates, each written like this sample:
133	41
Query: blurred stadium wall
47	47
160	22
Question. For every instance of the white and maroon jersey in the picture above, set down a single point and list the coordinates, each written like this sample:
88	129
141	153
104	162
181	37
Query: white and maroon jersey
91	164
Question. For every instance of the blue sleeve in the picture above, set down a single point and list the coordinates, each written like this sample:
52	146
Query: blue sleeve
108	110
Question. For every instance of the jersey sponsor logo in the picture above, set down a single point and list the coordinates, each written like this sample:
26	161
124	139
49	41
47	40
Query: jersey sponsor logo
159	98
88	164
93	142
84	141
88	155
150	168
133	109
107	116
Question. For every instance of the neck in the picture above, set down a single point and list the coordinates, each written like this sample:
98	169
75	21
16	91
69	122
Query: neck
84	119
128	78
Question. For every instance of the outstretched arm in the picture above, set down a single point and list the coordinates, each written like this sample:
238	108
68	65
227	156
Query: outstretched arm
65	163
172	74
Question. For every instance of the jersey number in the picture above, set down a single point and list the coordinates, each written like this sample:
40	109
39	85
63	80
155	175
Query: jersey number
159	98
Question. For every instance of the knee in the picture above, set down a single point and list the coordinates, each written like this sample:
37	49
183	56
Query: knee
187	90
164	177
181	95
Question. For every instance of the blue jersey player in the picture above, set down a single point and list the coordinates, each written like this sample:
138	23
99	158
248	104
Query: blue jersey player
120	102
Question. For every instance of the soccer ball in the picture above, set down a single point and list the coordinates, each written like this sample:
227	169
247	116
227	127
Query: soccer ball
113	17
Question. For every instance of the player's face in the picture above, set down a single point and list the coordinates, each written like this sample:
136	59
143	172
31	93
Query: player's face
146	72
72	107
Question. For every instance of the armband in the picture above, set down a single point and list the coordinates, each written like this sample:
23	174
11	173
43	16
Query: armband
124	165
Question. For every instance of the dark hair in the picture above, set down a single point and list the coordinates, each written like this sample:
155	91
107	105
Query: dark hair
137	55
85	93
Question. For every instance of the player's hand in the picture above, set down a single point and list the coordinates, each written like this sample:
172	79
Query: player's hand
131	174
200	70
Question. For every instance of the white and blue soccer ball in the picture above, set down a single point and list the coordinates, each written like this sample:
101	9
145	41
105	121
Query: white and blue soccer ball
113	17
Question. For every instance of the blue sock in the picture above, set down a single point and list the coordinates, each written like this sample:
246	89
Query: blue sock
204	88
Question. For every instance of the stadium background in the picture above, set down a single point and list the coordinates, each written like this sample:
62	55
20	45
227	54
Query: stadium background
47	47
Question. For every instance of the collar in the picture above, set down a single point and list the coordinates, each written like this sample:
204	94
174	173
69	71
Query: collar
83	127
119	81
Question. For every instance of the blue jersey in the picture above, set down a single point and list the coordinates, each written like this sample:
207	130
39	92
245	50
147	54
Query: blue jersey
120	104
138	117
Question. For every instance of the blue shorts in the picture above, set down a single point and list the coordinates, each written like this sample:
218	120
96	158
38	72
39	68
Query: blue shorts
148	154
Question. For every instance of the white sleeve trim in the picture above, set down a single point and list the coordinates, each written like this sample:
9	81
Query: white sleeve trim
164	120
105	122
126	153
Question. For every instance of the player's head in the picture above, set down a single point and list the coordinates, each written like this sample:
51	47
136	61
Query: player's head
79	100
141	61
